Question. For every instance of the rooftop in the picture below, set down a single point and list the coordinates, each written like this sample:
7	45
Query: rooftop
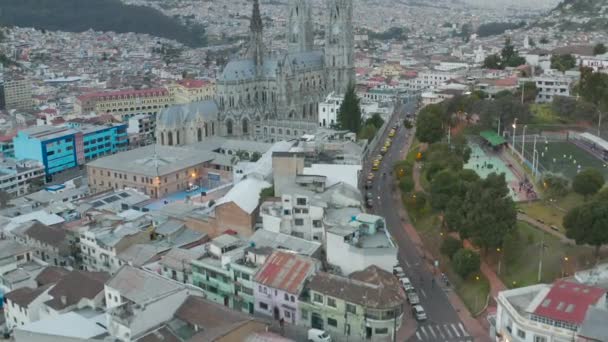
140	286
153	160
68	326
286	271
568	301
76	286
265	238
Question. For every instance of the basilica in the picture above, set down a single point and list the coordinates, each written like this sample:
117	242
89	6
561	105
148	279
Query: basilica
274	95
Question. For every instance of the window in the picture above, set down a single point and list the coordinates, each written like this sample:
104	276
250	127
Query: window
521	333
299	222
304	314
317	298
293	299
286	297
331	302
381	331
351	308
263	306
301	201
332	322
540	339
287	314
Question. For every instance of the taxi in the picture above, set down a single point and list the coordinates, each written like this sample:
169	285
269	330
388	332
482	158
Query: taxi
392	133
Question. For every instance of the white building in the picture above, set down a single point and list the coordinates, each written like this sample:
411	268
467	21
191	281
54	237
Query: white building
141	129
550	85
561	312
328	110
363	242
294	215
16	176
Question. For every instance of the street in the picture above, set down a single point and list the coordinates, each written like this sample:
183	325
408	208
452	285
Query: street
443	323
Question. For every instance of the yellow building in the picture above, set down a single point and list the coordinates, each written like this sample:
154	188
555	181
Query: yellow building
124	104
18	94
186	91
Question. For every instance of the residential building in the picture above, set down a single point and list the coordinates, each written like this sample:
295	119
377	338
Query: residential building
297	214
328	110
191	90
23	305
362	242
562	311
13	254
18	94
176	264
62	148
16	176
280	282
263	238
549	85
50	244
139	301
123	104
141	129
157	170
367	305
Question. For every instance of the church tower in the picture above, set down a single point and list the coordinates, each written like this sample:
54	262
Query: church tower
300	35
339	45
256	49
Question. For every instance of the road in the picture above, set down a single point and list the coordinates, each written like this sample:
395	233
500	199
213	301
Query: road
443	323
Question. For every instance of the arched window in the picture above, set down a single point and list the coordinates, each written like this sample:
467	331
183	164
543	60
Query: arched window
303	110
177	138
170	138
162	138
229	127
206	130
212	128
199	134
310	111
245	126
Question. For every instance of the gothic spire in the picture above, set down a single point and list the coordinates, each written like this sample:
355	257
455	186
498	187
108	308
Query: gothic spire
256	18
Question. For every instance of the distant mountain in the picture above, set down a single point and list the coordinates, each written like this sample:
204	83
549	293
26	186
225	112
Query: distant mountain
578	15
99	15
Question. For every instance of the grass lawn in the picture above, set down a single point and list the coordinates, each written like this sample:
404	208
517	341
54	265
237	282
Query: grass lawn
520	262
552	212
474	293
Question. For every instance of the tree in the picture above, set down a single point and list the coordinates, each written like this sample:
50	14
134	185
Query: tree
529	90
349	115
563	62
368	132
493	62
465	32
593	88
544	40
429	124
375	120
450	245
466	262
555	186
588	182
406	184
255	156
588	224
444	186
267	192
599	49
509	56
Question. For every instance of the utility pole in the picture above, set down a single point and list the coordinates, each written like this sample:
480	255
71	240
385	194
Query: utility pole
540	260
514	128
523	143
523	90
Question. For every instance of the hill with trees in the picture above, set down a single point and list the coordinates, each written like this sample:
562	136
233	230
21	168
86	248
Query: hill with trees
99	15
578	15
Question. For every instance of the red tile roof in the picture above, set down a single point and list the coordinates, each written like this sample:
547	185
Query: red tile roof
568	301
111	95
285	271
193	83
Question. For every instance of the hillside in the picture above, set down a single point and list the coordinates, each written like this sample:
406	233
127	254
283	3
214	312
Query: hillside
99	15
583	15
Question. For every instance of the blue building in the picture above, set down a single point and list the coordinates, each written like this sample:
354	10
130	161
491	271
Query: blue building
62	148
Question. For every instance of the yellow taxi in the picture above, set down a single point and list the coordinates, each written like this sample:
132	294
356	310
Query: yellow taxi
387	143
384	149
379	157
375	167
370	176
376	162
392	133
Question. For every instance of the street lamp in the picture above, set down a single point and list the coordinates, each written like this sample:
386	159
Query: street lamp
514	128
523	143
499	258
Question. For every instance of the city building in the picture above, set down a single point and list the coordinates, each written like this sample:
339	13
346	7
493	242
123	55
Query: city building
328	110
141	129
362	242
62	148
18	94
187	124
367	305
123	104
51	245
7	148
190	90
550	85
279	283
562	311
16	176
13	254
176	264
157	170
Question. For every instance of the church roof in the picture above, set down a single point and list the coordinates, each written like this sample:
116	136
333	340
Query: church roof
178	115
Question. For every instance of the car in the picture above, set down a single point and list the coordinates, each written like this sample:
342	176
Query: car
418	312
192	188
376	162
384	149
391	133
369	183
369	195
405	281
375	167
413	298
318	335
369	203
370	176
379	157
388	143
397	269
396	127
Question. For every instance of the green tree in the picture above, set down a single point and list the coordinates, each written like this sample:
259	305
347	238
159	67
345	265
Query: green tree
588	182
593	88
430	124
530	92
544	40
588	224
563	62
267	192
450	245
493	62
255	156
599	49
555	186
349	115
368	132
376	120
509	56
444	186
466	262
406	184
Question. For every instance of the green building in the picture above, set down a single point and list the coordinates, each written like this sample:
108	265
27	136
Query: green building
369	304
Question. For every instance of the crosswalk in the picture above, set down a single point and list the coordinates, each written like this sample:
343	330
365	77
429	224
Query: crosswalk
442	332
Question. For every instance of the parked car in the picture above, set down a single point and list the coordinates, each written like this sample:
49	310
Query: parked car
318	335
192	188
369	203
407	285
413	298
419	313
397	269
